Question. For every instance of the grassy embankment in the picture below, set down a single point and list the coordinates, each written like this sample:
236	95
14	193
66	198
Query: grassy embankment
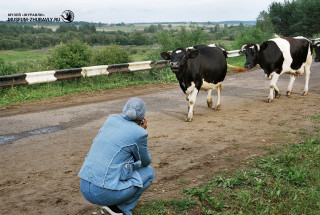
283	181
33	60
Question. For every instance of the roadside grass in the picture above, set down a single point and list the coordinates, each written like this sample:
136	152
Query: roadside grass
14	95
237	61
283	181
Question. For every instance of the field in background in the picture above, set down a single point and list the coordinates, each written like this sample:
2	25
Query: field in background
141	27
15	56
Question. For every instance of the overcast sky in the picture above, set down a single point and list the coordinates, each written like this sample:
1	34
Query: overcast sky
131	11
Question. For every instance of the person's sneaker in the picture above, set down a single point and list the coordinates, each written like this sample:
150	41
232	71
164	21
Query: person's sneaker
107	210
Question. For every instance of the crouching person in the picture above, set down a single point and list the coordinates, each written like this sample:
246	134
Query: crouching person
116	170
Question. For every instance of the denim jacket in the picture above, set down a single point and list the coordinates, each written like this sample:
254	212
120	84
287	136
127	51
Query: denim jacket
118	150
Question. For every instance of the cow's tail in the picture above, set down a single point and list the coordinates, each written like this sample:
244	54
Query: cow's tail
237	68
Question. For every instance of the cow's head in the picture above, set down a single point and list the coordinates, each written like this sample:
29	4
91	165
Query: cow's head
317	50
251	52
178	58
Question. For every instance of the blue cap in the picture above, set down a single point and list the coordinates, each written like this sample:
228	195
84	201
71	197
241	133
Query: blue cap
134	109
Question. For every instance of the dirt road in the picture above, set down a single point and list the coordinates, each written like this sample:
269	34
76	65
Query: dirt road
43	144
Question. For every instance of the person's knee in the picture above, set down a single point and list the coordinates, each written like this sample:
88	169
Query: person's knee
151	172
148	173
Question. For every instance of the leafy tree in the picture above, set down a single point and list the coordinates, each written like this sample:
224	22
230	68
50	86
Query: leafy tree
166	39
66	28
151	29
138	38
310	17
87	29
170	40
264	22
300	17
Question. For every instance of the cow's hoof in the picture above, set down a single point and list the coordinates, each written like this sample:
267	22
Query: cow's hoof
218	107
209	104
305	93
188	119
269	100
277	94
289	93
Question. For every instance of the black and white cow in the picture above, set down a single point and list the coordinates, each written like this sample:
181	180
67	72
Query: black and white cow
281	55
317	51
198	68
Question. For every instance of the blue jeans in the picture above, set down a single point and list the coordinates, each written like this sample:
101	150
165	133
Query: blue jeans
125	199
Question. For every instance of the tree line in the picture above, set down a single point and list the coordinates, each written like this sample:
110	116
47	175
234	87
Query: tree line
292	18
29	37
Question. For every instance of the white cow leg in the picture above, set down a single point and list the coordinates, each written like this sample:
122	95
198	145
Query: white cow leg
189	90
218	106
192	100
209	98
276	91
273	84
187	97
292	78
307	76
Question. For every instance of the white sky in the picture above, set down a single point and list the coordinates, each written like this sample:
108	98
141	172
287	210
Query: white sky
131	11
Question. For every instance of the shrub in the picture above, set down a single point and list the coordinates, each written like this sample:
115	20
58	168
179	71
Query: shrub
111	55
72	54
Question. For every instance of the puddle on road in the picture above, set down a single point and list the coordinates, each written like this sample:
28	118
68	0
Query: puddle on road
9	138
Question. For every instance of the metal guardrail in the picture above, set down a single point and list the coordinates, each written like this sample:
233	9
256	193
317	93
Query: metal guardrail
234	53
316	40
67	74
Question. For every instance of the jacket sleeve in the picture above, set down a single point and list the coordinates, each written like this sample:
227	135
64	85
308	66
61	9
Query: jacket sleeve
144	150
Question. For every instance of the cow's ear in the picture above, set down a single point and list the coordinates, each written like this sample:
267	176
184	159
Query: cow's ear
165	56
192	53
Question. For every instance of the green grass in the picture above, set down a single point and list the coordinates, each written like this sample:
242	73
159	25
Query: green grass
237	61
23	61
284	181
14	56
316	118
14	95
174	206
